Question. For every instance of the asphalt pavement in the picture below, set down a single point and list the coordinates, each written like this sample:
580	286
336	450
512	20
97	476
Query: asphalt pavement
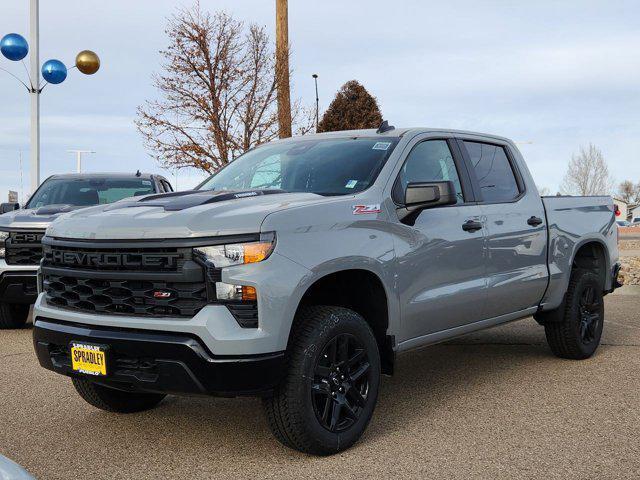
495	404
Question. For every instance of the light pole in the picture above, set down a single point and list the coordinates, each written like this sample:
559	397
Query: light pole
315	78
34	34
21	182
79	157
15	48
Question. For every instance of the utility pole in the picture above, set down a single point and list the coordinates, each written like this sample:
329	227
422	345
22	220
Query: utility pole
79	157
35	94
315	77
282	68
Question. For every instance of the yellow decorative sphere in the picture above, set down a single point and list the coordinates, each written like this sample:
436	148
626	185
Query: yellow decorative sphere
87	62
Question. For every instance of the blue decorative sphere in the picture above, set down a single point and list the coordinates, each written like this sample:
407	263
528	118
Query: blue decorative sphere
14	47
54	71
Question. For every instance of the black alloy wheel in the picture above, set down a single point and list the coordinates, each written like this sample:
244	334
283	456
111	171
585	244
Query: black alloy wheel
574	330
341	383
590	314
327	397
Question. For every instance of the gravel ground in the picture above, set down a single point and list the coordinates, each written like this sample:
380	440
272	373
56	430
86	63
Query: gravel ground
495	404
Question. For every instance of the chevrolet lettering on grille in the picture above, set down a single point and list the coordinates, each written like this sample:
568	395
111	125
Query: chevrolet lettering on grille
97	259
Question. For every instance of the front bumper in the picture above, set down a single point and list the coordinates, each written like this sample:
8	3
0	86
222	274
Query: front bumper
165	362
18	286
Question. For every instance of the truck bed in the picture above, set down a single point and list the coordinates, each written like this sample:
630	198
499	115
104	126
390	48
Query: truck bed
572	222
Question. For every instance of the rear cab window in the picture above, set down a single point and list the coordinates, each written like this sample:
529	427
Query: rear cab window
493	170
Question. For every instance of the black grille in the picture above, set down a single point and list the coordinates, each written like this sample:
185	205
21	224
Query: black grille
134	297
149	280
24	248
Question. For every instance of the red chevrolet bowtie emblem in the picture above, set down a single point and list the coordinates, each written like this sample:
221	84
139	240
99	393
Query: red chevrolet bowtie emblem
161	294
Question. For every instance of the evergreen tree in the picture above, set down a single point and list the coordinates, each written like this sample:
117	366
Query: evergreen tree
353	108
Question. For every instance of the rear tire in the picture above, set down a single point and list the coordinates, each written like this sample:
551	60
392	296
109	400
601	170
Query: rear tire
578	334
13	315
327	398
117	401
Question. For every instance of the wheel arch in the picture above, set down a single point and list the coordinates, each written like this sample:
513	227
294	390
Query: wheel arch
592	254
363	291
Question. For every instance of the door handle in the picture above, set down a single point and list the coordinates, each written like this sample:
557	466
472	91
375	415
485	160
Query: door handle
534	221
471	226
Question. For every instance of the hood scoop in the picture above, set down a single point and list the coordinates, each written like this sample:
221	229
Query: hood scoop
54	209
176	201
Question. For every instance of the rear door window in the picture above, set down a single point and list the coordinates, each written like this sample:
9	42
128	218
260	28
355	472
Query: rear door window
493	171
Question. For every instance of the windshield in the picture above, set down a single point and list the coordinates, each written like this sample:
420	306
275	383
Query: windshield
338	166
88	191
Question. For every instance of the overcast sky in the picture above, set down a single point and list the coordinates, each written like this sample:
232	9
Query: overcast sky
555	73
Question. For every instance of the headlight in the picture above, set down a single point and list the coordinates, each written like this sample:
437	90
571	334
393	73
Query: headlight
3	238
217	257
236	253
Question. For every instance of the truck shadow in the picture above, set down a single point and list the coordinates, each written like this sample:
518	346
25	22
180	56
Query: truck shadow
425	382
449	376
475	375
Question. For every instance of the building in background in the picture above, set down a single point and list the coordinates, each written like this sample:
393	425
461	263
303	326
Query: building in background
623	207
634	212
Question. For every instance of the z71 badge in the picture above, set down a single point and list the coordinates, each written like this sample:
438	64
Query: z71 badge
364	209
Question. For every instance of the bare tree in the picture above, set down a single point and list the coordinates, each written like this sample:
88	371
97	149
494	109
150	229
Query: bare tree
218	92
544	191
588	174
629	192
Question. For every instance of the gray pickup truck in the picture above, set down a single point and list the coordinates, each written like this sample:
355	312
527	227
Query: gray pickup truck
300	271
22	229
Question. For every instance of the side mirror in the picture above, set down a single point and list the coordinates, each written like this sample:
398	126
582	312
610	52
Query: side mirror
421	195
8	207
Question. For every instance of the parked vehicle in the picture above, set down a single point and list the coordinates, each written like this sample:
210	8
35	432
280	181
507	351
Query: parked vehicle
635	222
623	223
10	470
300	270
22	229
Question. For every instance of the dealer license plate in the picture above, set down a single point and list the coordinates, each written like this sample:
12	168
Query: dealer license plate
88	359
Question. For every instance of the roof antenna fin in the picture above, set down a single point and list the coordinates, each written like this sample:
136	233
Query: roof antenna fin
385	127
138	174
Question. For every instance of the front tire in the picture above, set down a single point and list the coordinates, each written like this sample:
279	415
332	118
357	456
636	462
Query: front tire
13	315
327	398
577	335
112	400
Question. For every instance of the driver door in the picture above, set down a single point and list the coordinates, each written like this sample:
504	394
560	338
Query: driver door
441	265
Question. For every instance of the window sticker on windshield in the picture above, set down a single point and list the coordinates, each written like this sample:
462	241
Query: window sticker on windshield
351	184
381	145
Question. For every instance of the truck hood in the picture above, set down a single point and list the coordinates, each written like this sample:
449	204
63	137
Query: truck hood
178	215
38	218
